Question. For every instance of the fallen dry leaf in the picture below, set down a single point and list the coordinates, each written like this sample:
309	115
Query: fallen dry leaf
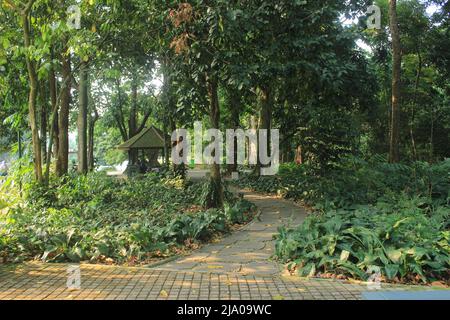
163	294
439	284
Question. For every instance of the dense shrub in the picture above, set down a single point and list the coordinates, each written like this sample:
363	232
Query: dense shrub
367	214
407	240
96	218
356	181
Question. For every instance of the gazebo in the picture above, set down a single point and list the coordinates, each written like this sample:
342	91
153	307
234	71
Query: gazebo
149	144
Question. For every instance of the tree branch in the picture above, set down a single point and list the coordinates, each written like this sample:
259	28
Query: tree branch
122	130
28	6
144	121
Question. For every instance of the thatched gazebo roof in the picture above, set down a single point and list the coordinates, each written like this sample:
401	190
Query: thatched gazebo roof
149	138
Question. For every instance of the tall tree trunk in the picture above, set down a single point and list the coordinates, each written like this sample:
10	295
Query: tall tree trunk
265	118
413	106
431	154
53	130
173	126
93	118
82	119
132	123
170	106
54	107
394	150
170	109
166	146
215	197
33	78
299	155
118	116
44	120
235	106
62	163
91	158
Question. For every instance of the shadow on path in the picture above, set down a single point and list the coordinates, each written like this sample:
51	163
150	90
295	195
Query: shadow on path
249	250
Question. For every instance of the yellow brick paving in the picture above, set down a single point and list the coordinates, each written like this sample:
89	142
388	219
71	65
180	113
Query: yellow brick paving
36	281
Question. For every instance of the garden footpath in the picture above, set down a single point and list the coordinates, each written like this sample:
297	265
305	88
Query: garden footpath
239	267
249	250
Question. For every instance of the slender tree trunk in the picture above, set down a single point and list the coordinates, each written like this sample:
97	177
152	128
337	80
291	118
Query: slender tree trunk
53	129
133	112
413	107
216	194
82	119
120	117
53	99
387	86
62	163
166	114
170	123
92	121
431	159
299	155
33	78
173	127
44	121
265	118
235	106
132	123
90	157
93	117
166	146
394	150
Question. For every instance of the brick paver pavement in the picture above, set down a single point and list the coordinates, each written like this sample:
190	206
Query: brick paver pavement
35	281
237	268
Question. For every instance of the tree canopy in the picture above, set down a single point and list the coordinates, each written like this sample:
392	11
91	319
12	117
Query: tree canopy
108	69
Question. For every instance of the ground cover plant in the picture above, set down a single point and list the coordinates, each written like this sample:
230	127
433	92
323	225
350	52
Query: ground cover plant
366	215
102	219
101	85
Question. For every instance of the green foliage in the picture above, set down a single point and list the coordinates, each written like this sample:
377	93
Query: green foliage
356	181
368	213
240	212
211	192
20	173
406	238
96	217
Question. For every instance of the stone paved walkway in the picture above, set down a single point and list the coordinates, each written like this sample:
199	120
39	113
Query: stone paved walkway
236	268
248	251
